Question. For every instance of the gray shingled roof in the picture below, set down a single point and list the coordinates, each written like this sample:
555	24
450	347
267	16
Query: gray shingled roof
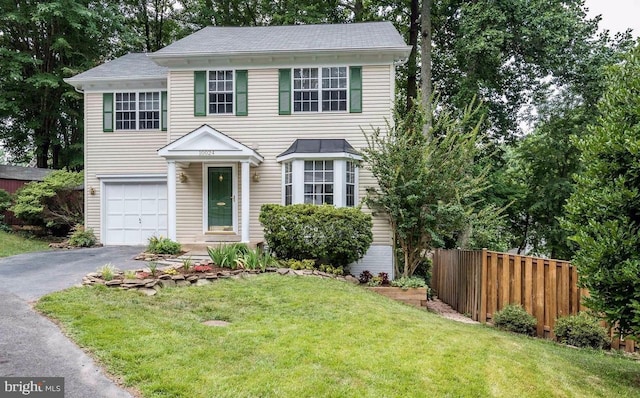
8	172
233	40
319	146
132	65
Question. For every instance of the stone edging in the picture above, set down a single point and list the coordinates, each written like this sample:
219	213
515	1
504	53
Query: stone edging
150	286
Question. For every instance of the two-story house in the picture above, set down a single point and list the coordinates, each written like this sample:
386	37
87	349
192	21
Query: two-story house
189	141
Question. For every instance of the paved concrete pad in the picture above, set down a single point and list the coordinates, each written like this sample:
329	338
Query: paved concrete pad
33	346
32	275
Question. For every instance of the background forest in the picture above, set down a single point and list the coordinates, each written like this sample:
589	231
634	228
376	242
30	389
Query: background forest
535	70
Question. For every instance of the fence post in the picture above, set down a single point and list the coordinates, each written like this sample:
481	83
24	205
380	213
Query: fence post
483	288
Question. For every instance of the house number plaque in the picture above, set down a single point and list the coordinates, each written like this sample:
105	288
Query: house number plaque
207	153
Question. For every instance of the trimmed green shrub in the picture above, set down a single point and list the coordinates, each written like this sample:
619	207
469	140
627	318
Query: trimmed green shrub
54	203
82	237
581	330
338	236
162	245
408	282
299	264
514	318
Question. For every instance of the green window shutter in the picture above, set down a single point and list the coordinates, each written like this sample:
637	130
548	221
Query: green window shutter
355	89
284	94
241	93
200	93
163	111
107	112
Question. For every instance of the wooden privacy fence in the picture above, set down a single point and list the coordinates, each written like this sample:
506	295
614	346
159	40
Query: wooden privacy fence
481	282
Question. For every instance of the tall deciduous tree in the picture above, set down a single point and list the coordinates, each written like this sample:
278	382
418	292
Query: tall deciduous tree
41	42
502	52
604	209
149	25
547	158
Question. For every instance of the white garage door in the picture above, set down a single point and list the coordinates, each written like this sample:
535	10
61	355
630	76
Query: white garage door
134	212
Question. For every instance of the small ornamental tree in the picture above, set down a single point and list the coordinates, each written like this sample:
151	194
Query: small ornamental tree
54	202
425	182
604	210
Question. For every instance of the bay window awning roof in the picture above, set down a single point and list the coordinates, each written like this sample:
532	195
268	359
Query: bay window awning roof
319	149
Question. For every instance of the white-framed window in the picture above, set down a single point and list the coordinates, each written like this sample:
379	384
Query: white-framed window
334	89
221	91
320	89
288	184
350	184
137	110
149	110
320	181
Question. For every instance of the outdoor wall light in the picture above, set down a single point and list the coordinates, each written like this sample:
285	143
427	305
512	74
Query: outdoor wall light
256	177
183	177
92	191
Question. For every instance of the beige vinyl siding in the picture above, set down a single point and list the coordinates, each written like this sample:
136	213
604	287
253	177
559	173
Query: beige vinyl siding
271	134
119	152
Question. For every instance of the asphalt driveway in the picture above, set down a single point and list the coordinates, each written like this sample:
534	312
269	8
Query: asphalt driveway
30	344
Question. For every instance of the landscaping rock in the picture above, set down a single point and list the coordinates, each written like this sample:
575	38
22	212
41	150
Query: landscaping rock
210	275
352	279
177	277
192	278
166	283
148	292
165	276
216	323
298	272
114	282
202	282
151	284
182	283
283	271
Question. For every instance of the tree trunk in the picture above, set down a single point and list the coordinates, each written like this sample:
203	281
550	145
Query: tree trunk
42	149
358	11
426	48
412	62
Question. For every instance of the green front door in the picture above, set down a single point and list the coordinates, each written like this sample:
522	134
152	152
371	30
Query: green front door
220	200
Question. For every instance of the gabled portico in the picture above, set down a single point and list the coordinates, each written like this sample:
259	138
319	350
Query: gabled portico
219	154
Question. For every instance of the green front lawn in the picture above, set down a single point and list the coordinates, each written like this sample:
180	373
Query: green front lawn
12	244
310	337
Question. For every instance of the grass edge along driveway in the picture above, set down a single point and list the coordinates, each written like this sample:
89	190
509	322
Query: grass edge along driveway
310	337
13	244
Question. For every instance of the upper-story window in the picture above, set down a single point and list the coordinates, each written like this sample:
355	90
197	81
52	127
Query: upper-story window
221	91
322	89
137	110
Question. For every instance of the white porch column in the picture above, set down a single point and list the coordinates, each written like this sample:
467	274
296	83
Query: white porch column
246	203
171	199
